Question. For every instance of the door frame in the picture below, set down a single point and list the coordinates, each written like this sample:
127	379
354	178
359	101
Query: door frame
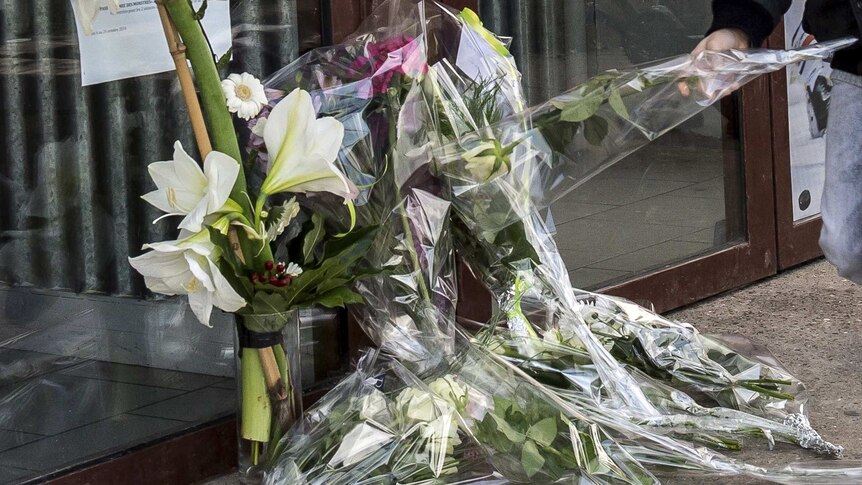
797	242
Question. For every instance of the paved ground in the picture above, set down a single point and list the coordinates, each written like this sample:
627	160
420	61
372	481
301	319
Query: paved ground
811	319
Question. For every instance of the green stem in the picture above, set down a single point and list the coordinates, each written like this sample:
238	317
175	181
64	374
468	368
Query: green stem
219	121
414	258
405	221
258	209
256	408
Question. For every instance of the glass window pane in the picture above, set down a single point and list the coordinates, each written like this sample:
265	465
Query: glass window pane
679	197
90	363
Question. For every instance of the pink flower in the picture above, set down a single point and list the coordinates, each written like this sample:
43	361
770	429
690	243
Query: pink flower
383	60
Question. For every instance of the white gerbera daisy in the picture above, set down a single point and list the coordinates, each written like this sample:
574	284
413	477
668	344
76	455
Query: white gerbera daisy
244	95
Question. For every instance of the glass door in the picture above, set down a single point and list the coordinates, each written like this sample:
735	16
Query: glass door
694	199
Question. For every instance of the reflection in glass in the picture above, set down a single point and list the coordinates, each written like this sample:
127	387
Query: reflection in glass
681	196
90	365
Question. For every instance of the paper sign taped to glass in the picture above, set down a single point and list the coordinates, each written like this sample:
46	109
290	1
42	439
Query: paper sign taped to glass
110	32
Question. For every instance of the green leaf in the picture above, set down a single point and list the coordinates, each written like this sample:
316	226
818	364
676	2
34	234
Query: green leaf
201	11
544	432
531	459
504	427
502	405
267	303
595	130
340	264
223	61
616	102
582	108
332	283
226	247
338	298
515	236
313	237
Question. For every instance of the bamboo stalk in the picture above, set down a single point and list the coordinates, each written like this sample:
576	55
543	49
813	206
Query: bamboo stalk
255	427
187	85
274	384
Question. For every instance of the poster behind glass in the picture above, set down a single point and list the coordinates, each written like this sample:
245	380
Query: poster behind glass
808	89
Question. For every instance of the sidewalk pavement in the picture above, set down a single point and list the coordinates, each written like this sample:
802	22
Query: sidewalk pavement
811	320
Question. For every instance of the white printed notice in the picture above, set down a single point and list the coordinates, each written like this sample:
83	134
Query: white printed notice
125	39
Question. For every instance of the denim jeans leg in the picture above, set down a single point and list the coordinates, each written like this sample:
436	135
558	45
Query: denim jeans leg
841	206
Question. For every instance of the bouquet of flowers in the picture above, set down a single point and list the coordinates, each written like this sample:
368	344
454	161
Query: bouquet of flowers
261	250
411	142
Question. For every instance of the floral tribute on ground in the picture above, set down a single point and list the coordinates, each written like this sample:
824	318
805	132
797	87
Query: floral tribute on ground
372	164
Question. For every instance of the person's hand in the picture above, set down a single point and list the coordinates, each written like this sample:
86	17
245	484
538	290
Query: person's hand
720	40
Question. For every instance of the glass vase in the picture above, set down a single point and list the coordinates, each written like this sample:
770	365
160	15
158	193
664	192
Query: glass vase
269	387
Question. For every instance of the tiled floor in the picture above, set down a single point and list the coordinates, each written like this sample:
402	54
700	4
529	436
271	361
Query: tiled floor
56	412
660	206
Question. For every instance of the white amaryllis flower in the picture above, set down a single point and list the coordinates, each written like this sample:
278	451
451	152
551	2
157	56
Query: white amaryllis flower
186	190
244	95
89	9
187	266
303	149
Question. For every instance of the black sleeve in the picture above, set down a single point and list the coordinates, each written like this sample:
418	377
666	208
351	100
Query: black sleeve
756	18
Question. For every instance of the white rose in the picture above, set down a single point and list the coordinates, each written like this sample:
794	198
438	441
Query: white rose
448	389
416	404
442	434
372	405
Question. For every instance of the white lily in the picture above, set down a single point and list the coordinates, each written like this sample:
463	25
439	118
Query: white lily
303	149
186	190
187	266
89	9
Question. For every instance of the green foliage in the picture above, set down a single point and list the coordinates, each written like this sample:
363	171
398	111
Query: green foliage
224	60
328	282
531	459
482	104
581	110
199	14
595	130
532	433
543	432
313	237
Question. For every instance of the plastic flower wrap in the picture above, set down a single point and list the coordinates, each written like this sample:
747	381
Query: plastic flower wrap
561	385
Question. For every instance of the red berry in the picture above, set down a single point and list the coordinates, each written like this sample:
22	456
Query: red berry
279	268
255	278
273	281
269	265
